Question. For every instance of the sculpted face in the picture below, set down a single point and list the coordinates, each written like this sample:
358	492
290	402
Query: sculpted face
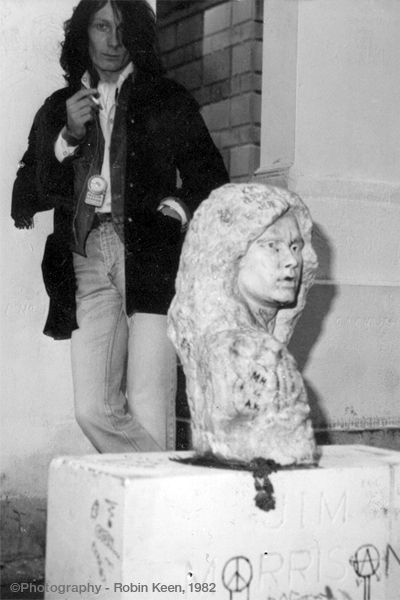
270	272
106	50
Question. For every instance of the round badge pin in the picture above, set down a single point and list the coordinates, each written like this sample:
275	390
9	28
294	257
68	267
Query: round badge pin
97	184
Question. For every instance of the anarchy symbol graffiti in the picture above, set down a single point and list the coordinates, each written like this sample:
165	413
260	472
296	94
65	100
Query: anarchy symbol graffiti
366	563
237	575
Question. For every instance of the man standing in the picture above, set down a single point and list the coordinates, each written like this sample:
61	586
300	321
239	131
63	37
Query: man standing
104	153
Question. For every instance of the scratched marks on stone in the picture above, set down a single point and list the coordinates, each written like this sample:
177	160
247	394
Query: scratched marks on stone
106	509
327	594
135	461
103	514
391	557
238	574
94	513
106	539
99	562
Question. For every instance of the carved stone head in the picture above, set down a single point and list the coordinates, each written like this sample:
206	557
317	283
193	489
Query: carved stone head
246	267
270	272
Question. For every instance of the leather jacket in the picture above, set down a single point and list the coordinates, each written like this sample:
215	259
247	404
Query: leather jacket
163	132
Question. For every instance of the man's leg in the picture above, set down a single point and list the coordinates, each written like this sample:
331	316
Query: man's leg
152	377
99	349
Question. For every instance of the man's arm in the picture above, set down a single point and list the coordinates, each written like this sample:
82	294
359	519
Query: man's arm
64	148
200	163
42	182
26	200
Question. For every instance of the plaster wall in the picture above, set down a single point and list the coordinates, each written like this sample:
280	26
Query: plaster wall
37	420
37	408
346	168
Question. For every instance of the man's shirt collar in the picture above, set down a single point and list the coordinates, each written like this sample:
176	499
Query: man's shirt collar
129	69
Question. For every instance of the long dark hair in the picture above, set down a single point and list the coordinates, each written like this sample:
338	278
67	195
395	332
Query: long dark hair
139	36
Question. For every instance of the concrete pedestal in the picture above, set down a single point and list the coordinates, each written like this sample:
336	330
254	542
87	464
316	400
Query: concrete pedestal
141	526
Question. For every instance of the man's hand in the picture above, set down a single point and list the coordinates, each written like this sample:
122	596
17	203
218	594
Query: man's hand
154	230
80	110
170	212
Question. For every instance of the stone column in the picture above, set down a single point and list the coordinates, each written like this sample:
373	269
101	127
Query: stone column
278	113
329	131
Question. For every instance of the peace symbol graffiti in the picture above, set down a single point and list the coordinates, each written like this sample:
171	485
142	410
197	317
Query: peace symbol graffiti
237	574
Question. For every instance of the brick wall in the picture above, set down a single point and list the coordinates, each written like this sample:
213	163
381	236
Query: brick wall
214	48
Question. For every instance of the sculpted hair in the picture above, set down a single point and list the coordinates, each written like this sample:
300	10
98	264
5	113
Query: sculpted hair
139	36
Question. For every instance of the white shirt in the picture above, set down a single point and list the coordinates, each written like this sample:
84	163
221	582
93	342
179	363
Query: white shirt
108	94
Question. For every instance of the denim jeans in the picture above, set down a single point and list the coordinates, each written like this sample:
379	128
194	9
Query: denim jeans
124	368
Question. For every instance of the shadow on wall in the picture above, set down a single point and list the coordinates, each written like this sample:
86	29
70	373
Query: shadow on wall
311	324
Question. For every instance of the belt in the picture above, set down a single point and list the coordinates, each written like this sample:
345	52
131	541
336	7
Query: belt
100	218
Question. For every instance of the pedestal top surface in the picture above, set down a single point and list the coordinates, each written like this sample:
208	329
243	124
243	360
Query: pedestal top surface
166	464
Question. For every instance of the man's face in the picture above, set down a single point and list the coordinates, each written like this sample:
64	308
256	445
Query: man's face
270	272
109	56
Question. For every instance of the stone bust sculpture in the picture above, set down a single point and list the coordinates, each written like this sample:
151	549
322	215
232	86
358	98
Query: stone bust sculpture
246	267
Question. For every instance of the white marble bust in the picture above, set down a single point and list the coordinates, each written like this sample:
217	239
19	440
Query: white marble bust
246	267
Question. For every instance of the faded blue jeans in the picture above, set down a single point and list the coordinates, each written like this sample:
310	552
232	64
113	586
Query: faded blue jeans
124	368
